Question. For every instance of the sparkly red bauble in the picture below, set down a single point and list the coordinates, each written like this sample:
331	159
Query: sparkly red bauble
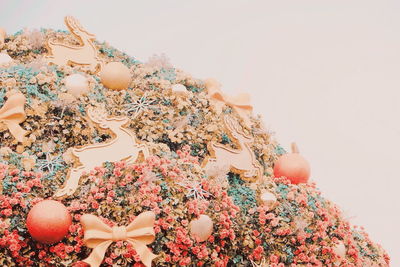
48	221
293	166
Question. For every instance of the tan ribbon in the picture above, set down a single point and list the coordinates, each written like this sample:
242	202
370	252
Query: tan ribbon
13	113
2	35
99	236
241	102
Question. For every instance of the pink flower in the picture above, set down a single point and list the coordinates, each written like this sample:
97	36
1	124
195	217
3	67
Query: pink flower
14	247
95	205
13	201
14	172
109	261
185	261
6	212
30	183
256	233
20	185
258	252
274	259
94	189
69	249
111	194
42	254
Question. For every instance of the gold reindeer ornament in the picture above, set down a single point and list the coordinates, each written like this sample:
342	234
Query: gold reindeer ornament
122	147
241	161
85	54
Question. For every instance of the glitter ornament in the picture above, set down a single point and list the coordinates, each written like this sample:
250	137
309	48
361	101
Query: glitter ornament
267	198
115	76
340	250
292	166
201	228
76	84
179	89
5	59
48	221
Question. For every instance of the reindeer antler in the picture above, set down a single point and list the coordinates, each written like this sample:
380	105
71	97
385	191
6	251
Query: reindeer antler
234	126
79	26
69	21
71	24
75	26
228	122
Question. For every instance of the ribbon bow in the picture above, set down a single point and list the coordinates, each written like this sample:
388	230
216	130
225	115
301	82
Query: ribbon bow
241	102
13	113
99	236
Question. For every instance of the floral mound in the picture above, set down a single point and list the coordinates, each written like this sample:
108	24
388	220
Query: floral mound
301	229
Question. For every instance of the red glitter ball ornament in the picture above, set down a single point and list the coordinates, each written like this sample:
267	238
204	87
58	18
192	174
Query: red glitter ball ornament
292	166
48	221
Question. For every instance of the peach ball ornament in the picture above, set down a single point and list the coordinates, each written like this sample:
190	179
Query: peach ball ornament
201	228
48	221
76	84
115	76
268	199
292	166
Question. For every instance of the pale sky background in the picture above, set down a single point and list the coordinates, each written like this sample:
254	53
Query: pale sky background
325	74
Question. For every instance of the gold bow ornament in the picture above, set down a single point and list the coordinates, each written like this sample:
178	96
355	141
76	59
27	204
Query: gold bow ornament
240	103
12	114
100	236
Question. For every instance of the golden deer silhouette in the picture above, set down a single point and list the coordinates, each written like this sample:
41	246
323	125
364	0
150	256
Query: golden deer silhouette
122	147
85	54
240	160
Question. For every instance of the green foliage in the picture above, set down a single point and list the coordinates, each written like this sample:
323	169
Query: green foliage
167	74
282	189
194	89
280	150
242	196
225	139
24	75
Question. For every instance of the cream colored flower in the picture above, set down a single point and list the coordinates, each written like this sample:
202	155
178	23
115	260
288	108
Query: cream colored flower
28	162
10	83
68	156
48	147
5	151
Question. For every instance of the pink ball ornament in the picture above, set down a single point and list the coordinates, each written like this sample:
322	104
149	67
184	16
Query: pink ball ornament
292	166
48	221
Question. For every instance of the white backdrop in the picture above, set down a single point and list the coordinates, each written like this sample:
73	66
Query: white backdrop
325	74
